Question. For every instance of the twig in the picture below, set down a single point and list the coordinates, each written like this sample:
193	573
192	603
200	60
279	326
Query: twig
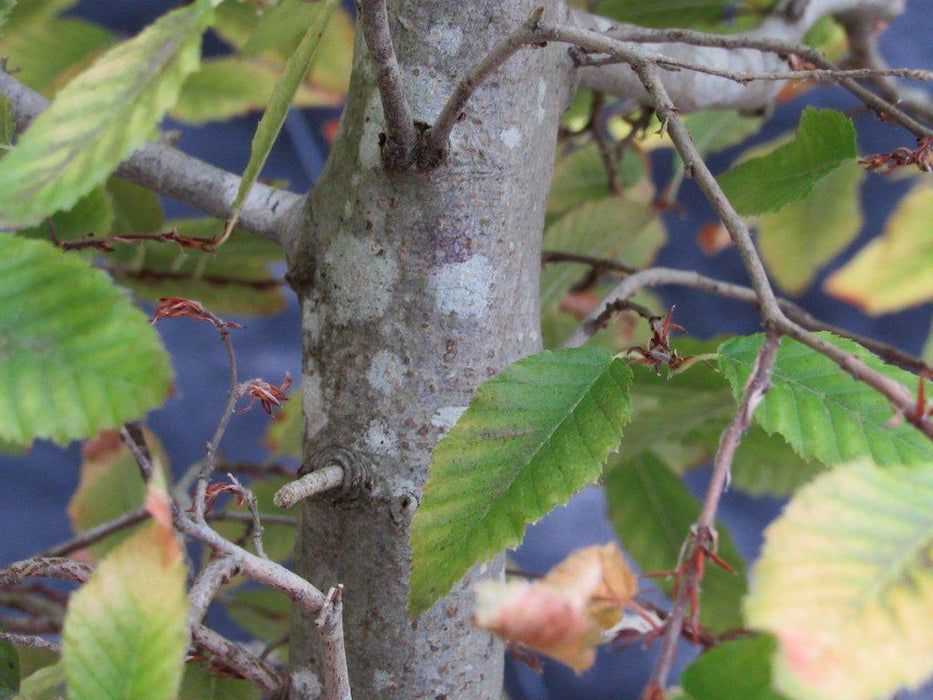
218	572
596	41
330	625
434	142
224	515
170	172
231	655
96	534
256	528
558	256
207	467
704	538
309	485
32	641
305	595
401	137
660	277
133	438
42	567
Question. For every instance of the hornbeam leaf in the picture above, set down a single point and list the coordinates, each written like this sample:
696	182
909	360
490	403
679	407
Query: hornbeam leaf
891	272
282	95
823	412
124	633
805	235
825	140
533	435
844	583
100	118
76	356
652	512
737	670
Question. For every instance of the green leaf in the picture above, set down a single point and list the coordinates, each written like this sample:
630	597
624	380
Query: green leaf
805	235
891	272
823	412
264	613
765	465
110	486
100	118
203	683
76	356
93	213
282	95
652	512
844	583
533	435
714	130
135	209
6	6
47	54
580	176
234	280
617	228
736	670
46	683
7	125
825	140
677	13
124	634
9	670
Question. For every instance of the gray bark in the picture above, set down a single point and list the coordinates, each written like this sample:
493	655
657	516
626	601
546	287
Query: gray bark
415	288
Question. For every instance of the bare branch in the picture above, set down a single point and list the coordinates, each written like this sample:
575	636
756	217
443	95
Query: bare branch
703	538
218	572
309	485
168	171
41	567
133	438
401	136
330	626
96	534
302	593
234	657
32	641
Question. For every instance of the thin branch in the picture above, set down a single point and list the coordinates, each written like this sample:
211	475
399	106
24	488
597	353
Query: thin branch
434	145
614	44
300	591
703	540
401	136
42	567
311	484
217	573
207	467
31	641
234	657
330	626
661	276
133	438
96	534
168	171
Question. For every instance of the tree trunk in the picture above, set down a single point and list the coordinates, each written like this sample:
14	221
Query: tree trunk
415	288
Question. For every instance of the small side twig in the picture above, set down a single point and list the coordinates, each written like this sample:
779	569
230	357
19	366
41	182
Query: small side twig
218	572
330	625
133	438
234	657
400	137
309	485
703	540
31	641
41	567
96	534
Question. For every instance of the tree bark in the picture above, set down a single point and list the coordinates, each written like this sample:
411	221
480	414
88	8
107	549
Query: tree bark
415	288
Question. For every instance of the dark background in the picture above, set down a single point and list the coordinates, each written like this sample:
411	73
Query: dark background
36	488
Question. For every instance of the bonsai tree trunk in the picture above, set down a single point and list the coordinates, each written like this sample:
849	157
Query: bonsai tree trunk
415	287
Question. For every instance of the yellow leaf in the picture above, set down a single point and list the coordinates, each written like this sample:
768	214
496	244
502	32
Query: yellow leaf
564	614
